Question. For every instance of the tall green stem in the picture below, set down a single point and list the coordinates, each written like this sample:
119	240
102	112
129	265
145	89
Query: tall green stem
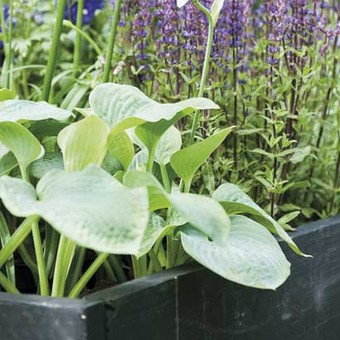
205	71
109	53
52	58
8	285
101	258
16	239
9	46
43	280
77	43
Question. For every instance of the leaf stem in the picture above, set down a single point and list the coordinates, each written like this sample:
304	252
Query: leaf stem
78	288
64	257
8	285
108	59
205	70
52	58
43	280
79	31
16	239
77	42
9	46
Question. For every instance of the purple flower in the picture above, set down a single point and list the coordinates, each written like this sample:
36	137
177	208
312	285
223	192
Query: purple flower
89	11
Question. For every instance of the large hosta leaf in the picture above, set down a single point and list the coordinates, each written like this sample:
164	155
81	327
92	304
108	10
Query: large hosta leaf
114	102
250	256
83	143
188	160
235	201
17	110
25	147
170	142
88	206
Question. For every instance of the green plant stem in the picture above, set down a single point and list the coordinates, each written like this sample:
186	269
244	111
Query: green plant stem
79	259
151	158
16	239
65	253
8	285
52	58
43	281
81	33
117	267
98	262
154	260
205	70
77	42
110	274
108	59
165	178
9	46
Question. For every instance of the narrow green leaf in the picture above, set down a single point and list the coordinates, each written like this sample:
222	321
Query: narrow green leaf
235	201
188	160
250	256
83	143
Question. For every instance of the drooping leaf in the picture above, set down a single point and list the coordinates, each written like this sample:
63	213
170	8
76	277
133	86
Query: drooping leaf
89	207
216	9
83	143
25	147
203	213
121	147
114	102
18	110
235	201
187	161
250	256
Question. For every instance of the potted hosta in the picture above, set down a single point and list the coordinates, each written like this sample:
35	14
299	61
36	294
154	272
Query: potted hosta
86	181
106	194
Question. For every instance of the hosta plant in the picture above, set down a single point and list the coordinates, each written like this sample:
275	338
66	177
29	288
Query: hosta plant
118	181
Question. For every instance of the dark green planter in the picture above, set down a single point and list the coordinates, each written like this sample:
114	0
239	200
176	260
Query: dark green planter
191	303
